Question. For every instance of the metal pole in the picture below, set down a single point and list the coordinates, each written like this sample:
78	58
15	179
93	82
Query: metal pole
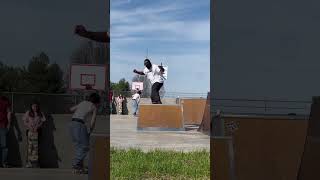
12	102
265	105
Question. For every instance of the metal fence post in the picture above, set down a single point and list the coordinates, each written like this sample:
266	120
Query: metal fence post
75	99
265	105
12	106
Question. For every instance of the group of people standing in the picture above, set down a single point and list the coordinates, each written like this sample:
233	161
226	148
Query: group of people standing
117	104
122	103
33	120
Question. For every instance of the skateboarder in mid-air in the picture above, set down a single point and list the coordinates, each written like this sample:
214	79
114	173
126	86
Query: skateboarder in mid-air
155	74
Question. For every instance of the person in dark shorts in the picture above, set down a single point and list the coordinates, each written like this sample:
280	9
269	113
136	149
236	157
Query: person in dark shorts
155	74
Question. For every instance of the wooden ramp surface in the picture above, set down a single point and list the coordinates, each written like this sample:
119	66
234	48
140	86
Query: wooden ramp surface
309	169
205	125
99	161
160	117
220	159
264	147
193	110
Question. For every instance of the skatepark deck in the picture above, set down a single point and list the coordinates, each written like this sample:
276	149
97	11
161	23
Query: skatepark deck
124	135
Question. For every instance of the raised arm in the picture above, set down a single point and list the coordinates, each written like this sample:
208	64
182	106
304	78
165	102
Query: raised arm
72	109
95	36
138	72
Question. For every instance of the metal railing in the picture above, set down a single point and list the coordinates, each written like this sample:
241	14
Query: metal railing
262	106
60	103
162	94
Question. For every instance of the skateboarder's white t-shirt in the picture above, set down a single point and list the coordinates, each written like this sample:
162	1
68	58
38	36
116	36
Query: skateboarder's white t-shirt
83	109
154	75
136	97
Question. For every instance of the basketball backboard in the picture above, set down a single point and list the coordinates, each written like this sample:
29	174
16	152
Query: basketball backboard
137	85
83	76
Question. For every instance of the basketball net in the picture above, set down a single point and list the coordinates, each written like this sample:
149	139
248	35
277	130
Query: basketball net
88	87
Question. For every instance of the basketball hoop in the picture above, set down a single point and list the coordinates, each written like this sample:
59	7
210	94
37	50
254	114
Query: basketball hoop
88	87
88	77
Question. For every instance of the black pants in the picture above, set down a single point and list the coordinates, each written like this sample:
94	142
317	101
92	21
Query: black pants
155	96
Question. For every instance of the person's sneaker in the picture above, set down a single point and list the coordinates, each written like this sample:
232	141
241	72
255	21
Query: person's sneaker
75	171
85	170
28	165
5	165
79	171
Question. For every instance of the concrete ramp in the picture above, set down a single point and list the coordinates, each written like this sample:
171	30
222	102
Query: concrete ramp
160	117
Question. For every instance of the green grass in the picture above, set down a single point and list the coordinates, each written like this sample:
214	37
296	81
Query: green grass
135	164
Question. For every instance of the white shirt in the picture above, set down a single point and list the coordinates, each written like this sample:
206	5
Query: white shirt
136	97
83	109
154	75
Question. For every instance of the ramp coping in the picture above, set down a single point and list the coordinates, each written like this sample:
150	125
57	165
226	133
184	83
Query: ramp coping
266	116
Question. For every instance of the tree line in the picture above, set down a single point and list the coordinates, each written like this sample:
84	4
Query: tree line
39	76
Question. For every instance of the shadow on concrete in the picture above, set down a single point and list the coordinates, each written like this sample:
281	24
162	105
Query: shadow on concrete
125	110
14	138
114	107
48	154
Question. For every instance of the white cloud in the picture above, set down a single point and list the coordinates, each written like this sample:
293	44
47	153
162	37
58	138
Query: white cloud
117	3
157	25
160	21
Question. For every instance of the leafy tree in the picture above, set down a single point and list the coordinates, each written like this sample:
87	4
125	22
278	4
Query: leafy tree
37	73
55	78
122	86
38	76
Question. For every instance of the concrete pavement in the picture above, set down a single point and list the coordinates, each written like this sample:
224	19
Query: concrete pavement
39	174
124	134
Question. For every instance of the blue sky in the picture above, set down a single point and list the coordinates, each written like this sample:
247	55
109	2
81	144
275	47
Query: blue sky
175	32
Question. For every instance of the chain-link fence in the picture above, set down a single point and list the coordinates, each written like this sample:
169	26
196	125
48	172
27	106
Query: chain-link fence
50	103
262	106
128	94
61	103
